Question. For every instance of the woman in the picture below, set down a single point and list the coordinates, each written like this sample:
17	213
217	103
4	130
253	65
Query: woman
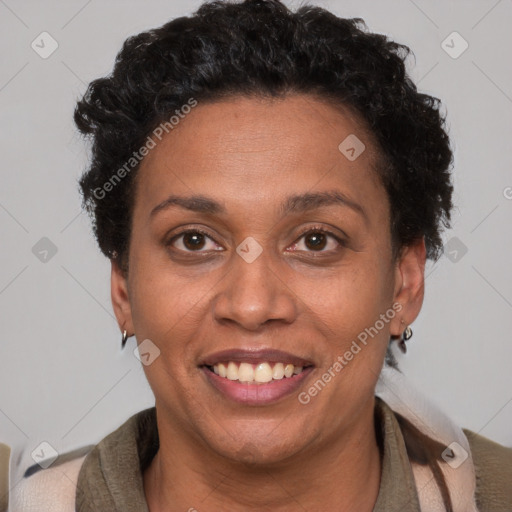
268	185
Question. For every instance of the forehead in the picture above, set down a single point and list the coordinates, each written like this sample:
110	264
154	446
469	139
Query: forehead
250	151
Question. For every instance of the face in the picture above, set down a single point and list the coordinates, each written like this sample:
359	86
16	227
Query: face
256	244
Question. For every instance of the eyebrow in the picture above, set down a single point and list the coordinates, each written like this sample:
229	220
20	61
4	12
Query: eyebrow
294	204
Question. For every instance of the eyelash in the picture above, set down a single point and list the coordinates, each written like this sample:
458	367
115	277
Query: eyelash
307	231
324	231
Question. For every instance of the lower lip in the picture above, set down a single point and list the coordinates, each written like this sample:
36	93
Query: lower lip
256	394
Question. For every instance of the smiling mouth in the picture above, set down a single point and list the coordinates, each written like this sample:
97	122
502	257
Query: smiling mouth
260	373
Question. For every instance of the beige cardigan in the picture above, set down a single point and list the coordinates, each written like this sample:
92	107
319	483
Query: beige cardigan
109	478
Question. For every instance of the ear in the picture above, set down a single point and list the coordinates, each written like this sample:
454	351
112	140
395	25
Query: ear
120	298
409	285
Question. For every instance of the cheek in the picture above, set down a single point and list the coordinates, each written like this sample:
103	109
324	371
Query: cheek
348	299
163	305
349	308
169	308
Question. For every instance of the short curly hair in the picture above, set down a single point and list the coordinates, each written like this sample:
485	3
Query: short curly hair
261	47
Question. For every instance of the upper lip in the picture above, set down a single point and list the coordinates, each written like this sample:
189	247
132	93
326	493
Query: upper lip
257	355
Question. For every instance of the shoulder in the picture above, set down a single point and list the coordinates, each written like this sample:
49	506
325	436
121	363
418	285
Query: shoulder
493	468
52	489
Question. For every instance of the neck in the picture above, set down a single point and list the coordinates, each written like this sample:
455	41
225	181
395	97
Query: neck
341	474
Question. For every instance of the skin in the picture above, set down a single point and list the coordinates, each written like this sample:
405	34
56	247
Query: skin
250	154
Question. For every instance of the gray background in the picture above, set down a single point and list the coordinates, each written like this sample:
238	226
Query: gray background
64	379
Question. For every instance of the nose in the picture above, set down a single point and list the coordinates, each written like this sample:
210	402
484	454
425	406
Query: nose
254	294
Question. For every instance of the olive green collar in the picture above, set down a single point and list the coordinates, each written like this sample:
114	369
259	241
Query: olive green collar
111	475
397	488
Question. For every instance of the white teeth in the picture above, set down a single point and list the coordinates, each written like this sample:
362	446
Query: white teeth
232	373
261	373
222	369
245	372
278	372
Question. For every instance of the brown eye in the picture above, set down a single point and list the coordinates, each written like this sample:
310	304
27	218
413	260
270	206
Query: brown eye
318	240
315	241
193	240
